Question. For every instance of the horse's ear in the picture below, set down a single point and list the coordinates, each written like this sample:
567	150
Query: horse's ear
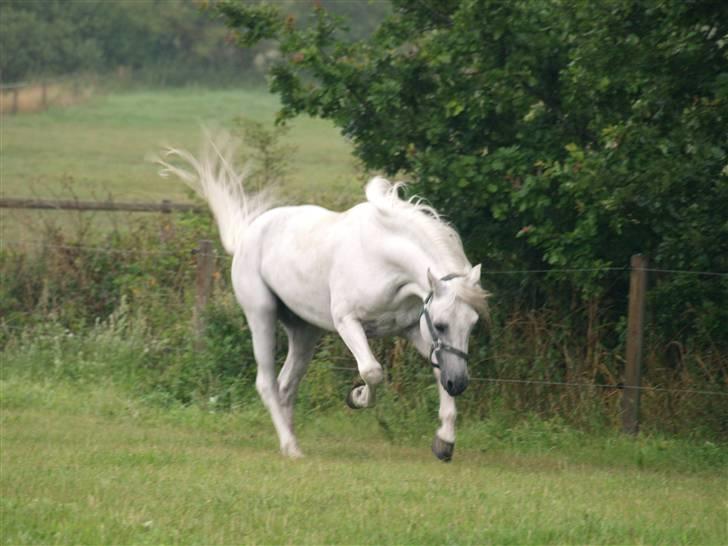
435	283
474	276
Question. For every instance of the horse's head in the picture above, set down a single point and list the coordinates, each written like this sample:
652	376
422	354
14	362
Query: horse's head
449	314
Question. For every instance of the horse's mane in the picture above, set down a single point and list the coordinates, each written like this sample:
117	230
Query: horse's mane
384	195
425	219
417	214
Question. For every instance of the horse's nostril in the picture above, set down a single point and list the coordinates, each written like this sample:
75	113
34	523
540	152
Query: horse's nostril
449	386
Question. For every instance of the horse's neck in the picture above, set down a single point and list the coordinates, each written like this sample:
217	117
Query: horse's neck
418	253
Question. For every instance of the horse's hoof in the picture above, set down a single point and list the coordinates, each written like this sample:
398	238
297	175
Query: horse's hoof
442	449
350	400
292	452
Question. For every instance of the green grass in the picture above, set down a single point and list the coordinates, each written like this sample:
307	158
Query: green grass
89	465
93	453
98	148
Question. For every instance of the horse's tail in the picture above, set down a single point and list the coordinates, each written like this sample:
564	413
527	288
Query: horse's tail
214	177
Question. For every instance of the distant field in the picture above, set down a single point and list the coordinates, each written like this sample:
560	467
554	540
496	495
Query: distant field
90	466
34	98
98	148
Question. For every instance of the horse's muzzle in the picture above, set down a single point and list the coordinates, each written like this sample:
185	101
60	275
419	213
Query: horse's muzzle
454	385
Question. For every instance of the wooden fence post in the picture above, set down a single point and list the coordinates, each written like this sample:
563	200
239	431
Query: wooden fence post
635	322
203	284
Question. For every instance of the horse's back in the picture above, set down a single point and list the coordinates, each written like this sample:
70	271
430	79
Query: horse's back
302	253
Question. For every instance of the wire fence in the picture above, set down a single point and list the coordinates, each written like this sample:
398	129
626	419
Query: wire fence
219	256
498	380
178	298
96	248
513	381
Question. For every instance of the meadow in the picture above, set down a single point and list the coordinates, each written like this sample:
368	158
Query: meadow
100	146
116	429
99	149
89	465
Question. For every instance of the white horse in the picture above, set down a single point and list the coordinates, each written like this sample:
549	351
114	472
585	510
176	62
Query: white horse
384	267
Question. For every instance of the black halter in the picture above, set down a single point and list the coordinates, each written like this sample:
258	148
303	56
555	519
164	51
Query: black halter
438	345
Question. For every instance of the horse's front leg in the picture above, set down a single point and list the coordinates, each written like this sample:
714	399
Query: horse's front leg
443	444
352	332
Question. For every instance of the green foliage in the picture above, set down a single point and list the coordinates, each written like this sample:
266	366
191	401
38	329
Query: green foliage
109	352
258	22
267	157
167	42
554	135
71	280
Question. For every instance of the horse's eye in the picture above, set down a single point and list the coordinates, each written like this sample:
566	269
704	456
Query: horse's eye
440	327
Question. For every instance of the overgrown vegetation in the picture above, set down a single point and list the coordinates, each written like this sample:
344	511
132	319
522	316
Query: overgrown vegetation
119	310
555	135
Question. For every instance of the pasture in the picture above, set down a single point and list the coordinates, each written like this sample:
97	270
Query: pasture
96	451
89	465
98	149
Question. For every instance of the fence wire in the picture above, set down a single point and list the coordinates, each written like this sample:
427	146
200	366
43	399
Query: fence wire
512	381
618	386
507	381
192	251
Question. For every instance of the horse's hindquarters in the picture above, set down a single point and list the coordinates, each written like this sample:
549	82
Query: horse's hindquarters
290	249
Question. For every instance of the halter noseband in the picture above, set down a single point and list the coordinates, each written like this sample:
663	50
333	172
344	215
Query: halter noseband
438	345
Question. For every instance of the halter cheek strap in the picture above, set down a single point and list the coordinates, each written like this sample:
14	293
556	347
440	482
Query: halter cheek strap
438	345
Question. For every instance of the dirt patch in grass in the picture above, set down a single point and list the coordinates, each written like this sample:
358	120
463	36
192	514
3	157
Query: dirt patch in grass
37	97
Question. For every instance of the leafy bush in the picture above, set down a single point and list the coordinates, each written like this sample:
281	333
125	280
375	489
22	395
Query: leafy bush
554	135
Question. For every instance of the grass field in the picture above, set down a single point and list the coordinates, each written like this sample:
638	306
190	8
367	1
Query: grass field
98	148
87	465
91	453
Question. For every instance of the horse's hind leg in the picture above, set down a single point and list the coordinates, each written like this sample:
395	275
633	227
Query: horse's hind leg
261	311
302	339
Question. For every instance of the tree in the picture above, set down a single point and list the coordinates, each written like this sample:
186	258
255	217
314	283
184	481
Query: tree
554	134
172	38
32	39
